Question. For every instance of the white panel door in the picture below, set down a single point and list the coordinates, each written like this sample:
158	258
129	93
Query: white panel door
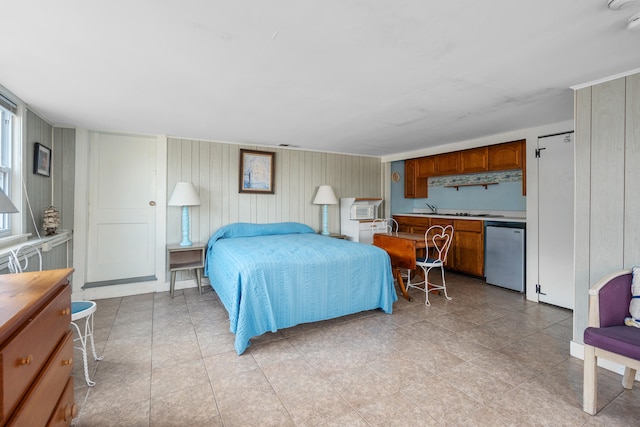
122	213
555	216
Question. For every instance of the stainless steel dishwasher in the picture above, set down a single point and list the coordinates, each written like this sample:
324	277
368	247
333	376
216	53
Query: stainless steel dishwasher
505	256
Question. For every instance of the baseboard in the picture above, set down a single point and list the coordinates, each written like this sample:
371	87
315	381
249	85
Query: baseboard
577	350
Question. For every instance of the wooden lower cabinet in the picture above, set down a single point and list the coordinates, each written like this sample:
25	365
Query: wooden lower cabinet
412	224
468	247
466	254
36	349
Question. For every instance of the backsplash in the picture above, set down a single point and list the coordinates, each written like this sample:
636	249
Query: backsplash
478	178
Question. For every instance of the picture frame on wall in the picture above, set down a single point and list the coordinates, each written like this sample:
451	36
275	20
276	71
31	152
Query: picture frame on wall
257	171
41	160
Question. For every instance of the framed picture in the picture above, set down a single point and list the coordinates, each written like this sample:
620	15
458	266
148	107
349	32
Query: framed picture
257	171
41	160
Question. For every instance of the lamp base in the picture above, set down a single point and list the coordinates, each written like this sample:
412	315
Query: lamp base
325	220
185	227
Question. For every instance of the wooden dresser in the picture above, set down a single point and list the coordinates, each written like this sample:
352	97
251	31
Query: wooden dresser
36	349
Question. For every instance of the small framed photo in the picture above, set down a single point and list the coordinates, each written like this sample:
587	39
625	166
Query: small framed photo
257	171
41	160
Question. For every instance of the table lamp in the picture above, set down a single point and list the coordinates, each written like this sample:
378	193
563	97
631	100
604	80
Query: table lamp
325	197
6	205
184	194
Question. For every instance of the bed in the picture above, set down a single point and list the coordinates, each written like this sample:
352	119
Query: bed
274	276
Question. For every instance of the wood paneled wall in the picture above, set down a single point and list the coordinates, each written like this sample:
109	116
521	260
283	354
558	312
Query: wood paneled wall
38	187
213	168
42	191
607	199
57	189
63	176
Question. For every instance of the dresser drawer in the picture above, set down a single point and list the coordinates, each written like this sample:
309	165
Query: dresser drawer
42	398
66	409
24	356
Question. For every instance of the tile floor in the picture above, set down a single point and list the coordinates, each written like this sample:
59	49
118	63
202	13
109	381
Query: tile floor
486	358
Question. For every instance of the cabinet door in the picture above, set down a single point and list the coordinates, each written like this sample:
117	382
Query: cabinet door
426	167
474	160
414	187
448	163
409	179
509	155
468	250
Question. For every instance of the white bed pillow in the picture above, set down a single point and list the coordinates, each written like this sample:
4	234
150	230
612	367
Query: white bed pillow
634	305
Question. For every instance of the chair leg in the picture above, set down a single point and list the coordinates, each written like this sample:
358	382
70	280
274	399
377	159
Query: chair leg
444	284
426	286
88	331
628	378
590	386
83	349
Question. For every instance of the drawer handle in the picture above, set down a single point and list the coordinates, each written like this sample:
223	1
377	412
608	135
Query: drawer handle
70	411
67	362
66	311
26	360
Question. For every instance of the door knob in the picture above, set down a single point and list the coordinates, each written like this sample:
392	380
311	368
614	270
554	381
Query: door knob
152	203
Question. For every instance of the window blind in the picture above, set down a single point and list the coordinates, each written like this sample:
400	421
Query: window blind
8	104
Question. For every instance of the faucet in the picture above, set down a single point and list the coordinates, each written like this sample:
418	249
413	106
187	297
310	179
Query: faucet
432	207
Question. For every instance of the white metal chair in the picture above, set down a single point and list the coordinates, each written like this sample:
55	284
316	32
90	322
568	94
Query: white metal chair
385	225
84	310
438	239
19	258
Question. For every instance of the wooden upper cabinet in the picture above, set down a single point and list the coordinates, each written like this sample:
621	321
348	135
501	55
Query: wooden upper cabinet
474	160
426	167
499	157
509	155
414	187
448	163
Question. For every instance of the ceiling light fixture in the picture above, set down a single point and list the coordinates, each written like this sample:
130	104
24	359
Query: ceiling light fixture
617	4
634	21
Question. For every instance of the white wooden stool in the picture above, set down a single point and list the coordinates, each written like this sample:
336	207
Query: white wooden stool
80	310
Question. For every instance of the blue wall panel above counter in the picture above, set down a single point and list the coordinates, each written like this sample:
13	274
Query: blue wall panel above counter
504	196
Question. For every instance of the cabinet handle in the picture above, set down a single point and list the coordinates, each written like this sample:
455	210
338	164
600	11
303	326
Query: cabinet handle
70	411
68	361
66	311
26	360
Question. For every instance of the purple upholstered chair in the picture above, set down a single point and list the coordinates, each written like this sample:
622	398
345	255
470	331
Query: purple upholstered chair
607	336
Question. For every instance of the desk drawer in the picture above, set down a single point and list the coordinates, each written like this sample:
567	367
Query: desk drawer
23	357
42	398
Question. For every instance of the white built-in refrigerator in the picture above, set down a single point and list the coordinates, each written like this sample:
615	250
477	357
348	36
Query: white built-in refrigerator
505	257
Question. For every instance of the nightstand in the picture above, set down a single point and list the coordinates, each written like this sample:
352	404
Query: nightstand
186	258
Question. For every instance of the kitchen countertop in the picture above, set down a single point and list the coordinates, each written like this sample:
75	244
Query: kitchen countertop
482	217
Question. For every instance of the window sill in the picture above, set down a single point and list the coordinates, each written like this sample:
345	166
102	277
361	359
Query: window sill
44	244
10	242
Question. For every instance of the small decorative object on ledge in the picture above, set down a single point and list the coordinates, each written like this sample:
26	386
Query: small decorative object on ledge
51	220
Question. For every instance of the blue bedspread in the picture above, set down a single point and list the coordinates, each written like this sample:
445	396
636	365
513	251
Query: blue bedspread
273	276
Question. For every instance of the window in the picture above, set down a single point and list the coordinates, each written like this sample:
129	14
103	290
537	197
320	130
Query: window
7	109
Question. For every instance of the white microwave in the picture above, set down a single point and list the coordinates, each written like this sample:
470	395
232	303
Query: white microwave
360	212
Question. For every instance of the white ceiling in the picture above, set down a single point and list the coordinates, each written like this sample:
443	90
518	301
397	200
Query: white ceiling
371	77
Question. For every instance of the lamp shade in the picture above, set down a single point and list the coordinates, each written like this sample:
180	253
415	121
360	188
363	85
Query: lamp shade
6	205
184	195
325	196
